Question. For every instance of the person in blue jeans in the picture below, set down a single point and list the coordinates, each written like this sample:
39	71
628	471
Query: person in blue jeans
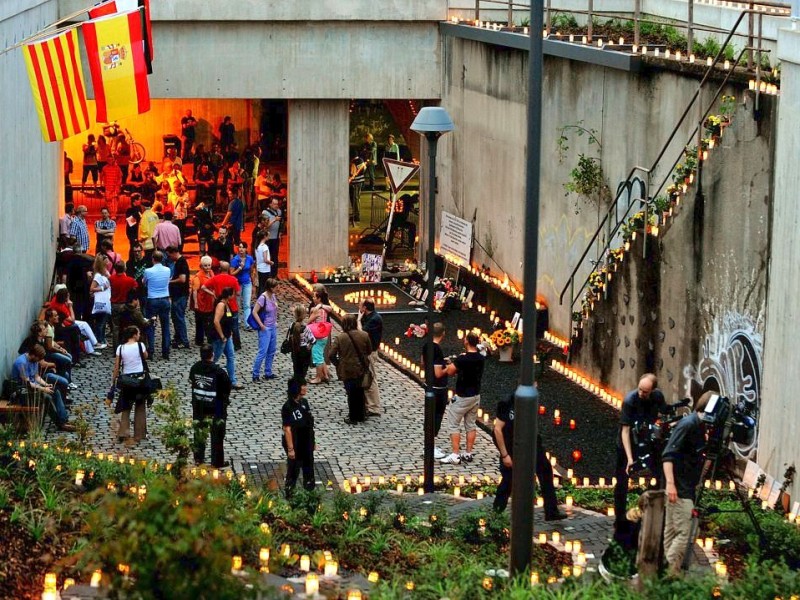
241	268
25	371
157	279
235	215
265	312
179	295
221	334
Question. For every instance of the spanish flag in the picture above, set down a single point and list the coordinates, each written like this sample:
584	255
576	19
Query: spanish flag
54	70
115	52
111	7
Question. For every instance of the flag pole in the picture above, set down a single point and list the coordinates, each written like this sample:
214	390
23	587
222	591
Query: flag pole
45	31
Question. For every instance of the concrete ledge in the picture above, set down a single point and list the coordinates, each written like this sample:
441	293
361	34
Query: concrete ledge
588	54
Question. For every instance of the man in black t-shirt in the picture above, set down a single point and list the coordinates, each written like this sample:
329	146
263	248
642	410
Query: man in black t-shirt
504	440
439	382
179	294
211	388
132	231
640	408
468	368
298	436
683	468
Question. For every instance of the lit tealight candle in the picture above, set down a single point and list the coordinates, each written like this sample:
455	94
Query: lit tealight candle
610	511
305	563
312	584
353	594
542	538
331	568
556	537
97	577
569	501
568	546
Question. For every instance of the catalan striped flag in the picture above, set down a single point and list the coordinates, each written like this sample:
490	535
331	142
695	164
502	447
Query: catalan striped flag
115	53
54	70
111	7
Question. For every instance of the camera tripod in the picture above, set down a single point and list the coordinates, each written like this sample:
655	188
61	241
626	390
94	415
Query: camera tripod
712	468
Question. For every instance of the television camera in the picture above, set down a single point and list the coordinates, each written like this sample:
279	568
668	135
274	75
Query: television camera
649	439
727	422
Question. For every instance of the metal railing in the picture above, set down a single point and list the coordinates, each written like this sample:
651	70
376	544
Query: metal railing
635	14
612	222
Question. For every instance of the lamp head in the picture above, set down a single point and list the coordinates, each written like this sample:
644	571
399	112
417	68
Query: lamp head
432	119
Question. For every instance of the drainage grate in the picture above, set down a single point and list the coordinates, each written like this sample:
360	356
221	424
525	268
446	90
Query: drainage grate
273	474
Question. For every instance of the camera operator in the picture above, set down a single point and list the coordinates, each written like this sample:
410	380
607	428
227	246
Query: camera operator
640	409
683	465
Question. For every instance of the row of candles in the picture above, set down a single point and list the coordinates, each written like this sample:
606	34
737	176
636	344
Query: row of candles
380	297
306	285
590	386
556	340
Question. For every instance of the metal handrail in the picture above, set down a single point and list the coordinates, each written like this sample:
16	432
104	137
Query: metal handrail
614	207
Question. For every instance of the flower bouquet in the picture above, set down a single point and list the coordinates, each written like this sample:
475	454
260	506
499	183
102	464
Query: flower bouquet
504	341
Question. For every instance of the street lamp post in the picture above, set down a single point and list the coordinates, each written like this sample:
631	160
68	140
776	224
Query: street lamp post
526	396
431	122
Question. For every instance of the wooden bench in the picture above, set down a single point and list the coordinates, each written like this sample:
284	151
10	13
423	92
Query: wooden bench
20	415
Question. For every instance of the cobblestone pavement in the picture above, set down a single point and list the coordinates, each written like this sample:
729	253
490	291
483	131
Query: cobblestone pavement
389	445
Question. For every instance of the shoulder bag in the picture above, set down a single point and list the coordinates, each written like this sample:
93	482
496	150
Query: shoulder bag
286	345
251	319
366	378
146	384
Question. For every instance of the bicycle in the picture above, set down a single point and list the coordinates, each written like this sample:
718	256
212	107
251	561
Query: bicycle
137	149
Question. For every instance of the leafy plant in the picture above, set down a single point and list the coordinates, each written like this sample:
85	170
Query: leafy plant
587	178
177	431
564	21
36	523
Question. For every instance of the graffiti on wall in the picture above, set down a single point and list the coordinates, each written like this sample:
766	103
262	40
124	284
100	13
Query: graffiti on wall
731	364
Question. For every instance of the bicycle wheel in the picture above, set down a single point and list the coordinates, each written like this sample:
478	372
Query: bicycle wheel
137	153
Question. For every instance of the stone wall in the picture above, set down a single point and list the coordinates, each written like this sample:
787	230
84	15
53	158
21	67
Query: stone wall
30	184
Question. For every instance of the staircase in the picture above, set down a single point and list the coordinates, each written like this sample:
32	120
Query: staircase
639	207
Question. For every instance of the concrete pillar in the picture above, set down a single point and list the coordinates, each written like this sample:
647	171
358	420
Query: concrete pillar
318	192
778	443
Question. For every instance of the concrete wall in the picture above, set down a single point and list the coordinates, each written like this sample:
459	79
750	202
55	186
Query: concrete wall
481	164
693	310
30	184
283	50
779	444
281	10
318	168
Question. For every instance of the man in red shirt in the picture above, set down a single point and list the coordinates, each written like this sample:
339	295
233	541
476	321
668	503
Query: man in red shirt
200	302
121	285
215	285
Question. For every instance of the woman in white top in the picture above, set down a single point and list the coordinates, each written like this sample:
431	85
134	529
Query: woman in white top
130	354
263	261
101	290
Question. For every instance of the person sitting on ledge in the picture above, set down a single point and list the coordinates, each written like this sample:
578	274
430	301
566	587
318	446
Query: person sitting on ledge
25	371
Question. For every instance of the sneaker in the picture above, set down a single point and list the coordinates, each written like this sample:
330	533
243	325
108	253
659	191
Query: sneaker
269	377
466	457
452	459
72	386
256	379
438	453
96	353
100	346
66	427
556	516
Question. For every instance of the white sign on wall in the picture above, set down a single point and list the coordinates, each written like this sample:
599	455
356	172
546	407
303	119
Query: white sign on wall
455	239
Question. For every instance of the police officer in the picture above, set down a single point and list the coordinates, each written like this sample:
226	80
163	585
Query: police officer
211	388
640	407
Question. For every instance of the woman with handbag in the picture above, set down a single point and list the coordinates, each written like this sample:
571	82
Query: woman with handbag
320	326
101	309
301	341
349	351
129	374
265	317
